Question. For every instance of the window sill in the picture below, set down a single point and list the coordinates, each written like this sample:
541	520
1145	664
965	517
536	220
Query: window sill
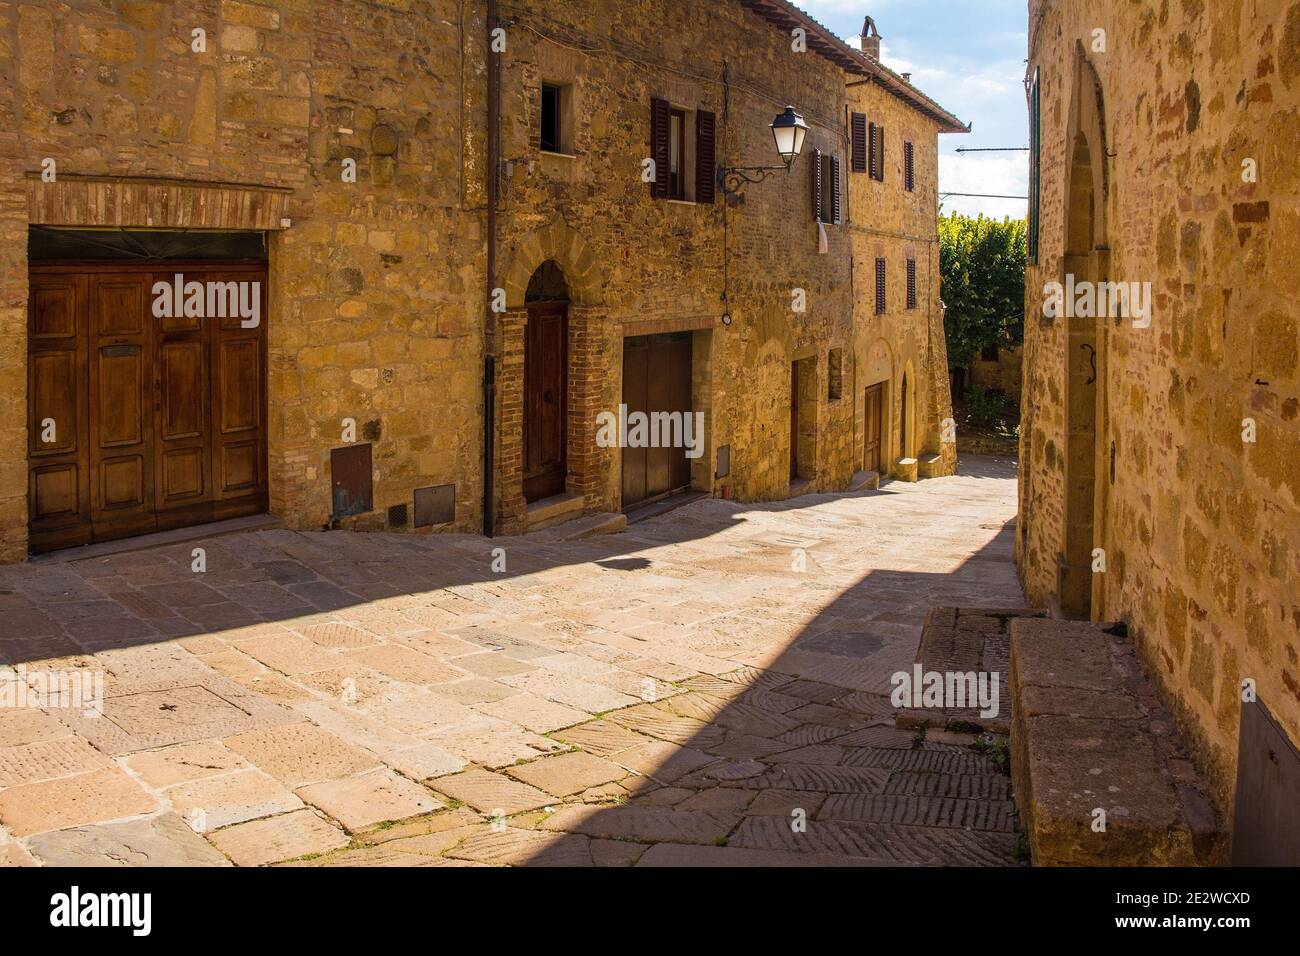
682	202
548	153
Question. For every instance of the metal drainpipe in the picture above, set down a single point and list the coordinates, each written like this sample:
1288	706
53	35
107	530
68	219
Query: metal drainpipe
489	323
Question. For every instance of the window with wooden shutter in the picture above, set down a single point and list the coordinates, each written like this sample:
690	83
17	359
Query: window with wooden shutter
911	283
880	287
858	137
817	202
706	175
877	158
837	210
909	176
1034	170
660	118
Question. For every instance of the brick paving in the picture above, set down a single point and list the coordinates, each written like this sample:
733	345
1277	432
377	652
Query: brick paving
676	694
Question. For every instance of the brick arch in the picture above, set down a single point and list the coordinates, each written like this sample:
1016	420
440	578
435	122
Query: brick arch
570	252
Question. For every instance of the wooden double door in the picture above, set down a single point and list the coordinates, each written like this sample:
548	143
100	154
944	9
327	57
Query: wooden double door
139	423
656	378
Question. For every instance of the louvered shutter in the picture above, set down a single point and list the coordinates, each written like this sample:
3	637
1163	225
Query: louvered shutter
880	286
817	185
909	177
705	157
858	127
835	176
659	119
880	153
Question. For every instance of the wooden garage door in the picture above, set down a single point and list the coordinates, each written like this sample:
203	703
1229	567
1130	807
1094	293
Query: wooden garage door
140	423
656	378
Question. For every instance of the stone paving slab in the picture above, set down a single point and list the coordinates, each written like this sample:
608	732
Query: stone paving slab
273	839
163	840
673	694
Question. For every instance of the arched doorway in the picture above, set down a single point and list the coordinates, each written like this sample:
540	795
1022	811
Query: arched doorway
546	393
1086	260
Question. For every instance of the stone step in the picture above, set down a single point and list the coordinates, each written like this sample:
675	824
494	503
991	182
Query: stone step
1089	734
865	480
588	526
552	511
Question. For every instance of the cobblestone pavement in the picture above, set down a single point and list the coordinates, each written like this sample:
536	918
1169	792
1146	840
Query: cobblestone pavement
708	687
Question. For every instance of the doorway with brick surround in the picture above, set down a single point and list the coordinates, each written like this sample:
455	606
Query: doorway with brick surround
139	423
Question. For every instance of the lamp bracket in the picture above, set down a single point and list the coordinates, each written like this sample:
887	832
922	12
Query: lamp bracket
733	179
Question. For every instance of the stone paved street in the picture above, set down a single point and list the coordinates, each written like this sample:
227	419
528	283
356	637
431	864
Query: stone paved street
675	694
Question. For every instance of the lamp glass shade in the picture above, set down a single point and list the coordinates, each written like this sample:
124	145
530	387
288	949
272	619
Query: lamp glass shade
789	130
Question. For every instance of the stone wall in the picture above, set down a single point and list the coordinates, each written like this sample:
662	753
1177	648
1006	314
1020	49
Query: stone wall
1200	528
375	287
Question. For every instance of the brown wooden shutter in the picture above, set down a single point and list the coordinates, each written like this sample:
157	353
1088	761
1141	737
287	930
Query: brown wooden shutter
880	153
880	286
706	174
858	126
836	192
817	185
911	283
659	120
909	176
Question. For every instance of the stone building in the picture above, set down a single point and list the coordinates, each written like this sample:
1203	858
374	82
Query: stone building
336	158
1160	446
899	344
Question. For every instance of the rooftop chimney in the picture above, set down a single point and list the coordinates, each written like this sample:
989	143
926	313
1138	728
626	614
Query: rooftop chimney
870	39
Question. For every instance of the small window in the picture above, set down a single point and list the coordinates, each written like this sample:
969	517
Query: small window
880	287
909	176
555	134
677	154
835	374
911	283
989	353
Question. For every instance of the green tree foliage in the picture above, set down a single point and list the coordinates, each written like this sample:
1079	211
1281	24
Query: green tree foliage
982	270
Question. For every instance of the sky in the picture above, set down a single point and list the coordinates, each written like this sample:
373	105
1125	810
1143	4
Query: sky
969	56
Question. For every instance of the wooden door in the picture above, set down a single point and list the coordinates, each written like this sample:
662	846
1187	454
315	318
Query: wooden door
657	378
160	422
546	363
872	426
794	421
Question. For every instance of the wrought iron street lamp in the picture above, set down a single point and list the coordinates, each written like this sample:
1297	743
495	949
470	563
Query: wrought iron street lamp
788	131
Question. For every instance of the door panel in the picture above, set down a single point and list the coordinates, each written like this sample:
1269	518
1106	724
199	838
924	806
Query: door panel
58	491
872	421
657	378
546	362
147	409
121	435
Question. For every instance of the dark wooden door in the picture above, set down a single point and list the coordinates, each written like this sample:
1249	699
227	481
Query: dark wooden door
546	363
872	426
657	378
794	421
160	421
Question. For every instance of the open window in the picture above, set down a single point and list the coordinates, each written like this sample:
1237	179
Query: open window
682	145
556	127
